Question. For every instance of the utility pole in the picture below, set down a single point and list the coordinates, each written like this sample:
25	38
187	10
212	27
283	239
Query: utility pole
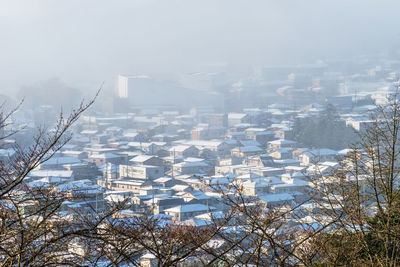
173	163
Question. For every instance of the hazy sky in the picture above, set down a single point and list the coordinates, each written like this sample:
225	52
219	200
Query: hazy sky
87	41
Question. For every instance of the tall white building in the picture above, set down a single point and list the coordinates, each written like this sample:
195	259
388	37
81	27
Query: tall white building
122	86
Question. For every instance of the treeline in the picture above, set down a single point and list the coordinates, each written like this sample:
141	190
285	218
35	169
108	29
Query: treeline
51	92
326	130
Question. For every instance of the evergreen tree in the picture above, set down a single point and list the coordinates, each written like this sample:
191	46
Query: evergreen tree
326	130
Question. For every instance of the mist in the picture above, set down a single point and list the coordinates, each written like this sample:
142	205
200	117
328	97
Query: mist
199	133
86	42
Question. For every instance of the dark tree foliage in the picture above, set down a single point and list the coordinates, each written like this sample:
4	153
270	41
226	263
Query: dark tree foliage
323	131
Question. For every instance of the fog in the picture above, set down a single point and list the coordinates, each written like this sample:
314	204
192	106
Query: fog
86	42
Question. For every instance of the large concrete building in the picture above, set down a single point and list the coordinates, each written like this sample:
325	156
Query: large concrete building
144	91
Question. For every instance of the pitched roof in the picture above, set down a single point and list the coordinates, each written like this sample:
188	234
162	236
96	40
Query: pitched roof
191	164
236	115
190	208
276	197
61	161
321	152
179	148
249	149
282	142
51	173
104	156
141	158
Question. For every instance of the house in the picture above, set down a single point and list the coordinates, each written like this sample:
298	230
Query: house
274	200
207	132
86	170
183	151
150	148
246	151
104	158
196	183
210	199
198	197
228	161
322	168
261	135
133	136
248	143
282	163
282	153
211	148
290	185
100	138
79	140
294	169
119	145
170	160
139	200
96	149
165	137
245	169
317	155
63	175
298	151
225	169
188	211
81	190
130	185
281	143
215	119
281	130
266	171
241	127
147	160
191	167
181	188
57	162
255	187
88	133
235	136
237	118
166	181
263	160
76	154
148	260
113	131
359	123
161	203
141	171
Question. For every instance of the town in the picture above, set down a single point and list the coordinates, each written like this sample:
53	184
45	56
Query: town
174	160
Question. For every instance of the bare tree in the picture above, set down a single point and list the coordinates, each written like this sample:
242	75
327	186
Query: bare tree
361	198
33	231
269	234
355	215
